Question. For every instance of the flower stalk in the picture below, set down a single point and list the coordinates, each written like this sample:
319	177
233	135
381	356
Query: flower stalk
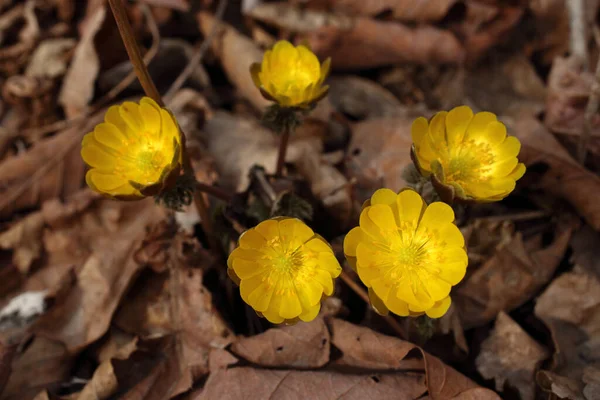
283	145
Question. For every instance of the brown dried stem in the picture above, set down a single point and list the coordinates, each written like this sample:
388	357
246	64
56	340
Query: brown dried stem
283	145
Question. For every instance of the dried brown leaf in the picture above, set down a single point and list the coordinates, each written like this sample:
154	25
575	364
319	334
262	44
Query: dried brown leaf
102	385
403	10
248	383
49	60
564	388
569	88
365	348
510	356
378	160
106	270
52	168
512	276
25	240
565	177
78	85
43	362
570	307
236	52
298	346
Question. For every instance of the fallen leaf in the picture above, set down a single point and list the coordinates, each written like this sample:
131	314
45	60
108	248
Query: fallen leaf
570	308
43	362
180	5
362	99
564	388
49	59
105	273
585	244
298	346
78	85
237	53
361	42
249	383
379	160
365	348
51	168
403	10
513	275
565	177
25	240
102	385
510	356
569	88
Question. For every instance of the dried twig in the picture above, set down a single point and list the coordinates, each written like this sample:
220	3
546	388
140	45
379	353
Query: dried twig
197	56
395	325
591	110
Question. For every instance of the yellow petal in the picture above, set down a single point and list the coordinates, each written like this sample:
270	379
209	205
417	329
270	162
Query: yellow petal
368	226
169	129
410	207
377	304
383	218
110	136
292	230
246	254
329	263
436	288
419	130
290	305
252	240
311	313
261	297
478	125
439	309
437	130
269	229
255	69
508	149
248	286
98	156
150	115
503	168
245	269
436	214
383	196
309	293
105	182
130	113
351	241
453	272
113	116
309	63
325	67
451	235
397	306
518	172
319	245
457	121
495	133
325	280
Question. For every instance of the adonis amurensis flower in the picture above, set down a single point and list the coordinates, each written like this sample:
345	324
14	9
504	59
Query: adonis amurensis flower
135	152
408	254
291	76
469	157
283	269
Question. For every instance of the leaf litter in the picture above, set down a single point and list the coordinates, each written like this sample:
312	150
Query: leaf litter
126	301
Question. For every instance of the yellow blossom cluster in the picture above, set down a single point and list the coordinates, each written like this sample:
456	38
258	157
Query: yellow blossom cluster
409	254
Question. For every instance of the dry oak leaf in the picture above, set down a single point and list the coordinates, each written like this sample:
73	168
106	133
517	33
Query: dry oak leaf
403	10
25	240
511	357
365	348
51	168
116	230
300	346
570	308
362	42
565	177
569	88
512	276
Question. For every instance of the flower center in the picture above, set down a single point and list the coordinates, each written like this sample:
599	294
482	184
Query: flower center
469	162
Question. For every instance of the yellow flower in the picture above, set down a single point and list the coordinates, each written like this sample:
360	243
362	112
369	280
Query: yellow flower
469	157
291	76
408	254
135	152
283	269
